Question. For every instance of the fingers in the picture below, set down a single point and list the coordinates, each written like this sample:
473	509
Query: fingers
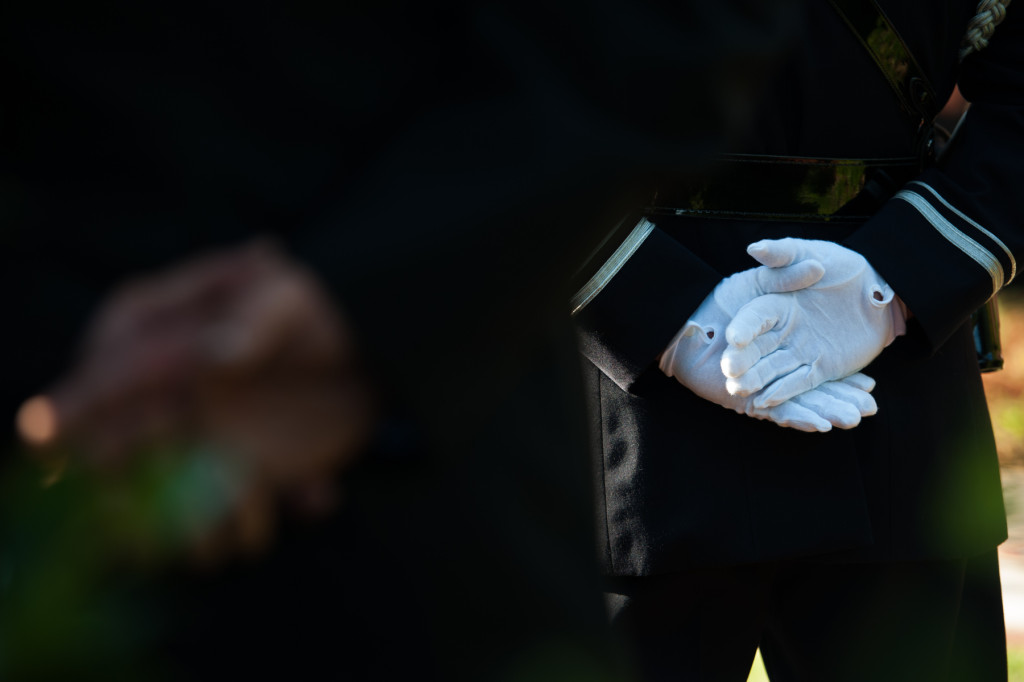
181	293
284	318
764	372
257	326
838	412
736	361
36	424
242	350
254	520
776	253
129	387
316	498
800	380
244	525
858	398
755	318
789	278
142	351
834	403
794	416
112	398
860	381
37	421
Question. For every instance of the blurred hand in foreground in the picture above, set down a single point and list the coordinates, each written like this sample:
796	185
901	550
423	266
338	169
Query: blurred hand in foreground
240	353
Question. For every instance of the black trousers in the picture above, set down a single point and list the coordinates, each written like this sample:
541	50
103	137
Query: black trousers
817	622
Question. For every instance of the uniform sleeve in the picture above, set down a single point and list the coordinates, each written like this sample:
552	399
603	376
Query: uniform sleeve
628	311
949	240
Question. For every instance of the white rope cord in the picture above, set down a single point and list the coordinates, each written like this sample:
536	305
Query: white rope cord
983	25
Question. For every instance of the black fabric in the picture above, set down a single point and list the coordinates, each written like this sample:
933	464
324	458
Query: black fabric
642	295
704	625
897	621
934	620
441	167
686	483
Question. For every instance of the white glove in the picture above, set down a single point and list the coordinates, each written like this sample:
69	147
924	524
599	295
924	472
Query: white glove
694	357
793	342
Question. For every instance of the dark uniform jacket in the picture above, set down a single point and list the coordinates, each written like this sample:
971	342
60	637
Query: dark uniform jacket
685	482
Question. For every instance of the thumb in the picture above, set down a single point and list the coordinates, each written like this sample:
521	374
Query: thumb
860	381
776	253
755	318
779	280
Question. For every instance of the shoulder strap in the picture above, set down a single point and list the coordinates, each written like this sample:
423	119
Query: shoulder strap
889	51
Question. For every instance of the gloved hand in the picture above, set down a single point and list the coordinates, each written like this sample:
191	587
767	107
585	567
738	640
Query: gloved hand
694	356
792	342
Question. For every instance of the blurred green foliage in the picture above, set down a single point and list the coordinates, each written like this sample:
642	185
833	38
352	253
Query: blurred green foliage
1015	659
78	558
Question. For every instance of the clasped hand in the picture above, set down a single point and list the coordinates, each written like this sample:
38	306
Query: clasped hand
784	341
240	353
782	344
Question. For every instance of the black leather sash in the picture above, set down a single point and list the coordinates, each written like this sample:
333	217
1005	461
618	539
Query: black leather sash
879	37
812	189
792	189
894	59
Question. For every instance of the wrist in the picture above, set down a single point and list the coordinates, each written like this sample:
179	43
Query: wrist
900	315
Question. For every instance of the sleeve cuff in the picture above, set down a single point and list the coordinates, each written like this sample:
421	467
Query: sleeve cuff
941	262
637	302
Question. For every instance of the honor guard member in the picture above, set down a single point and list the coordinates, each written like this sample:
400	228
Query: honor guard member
864	553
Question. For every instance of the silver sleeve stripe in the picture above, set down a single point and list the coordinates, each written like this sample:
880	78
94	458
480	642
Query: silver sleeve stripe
611	267
997	240
971	248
